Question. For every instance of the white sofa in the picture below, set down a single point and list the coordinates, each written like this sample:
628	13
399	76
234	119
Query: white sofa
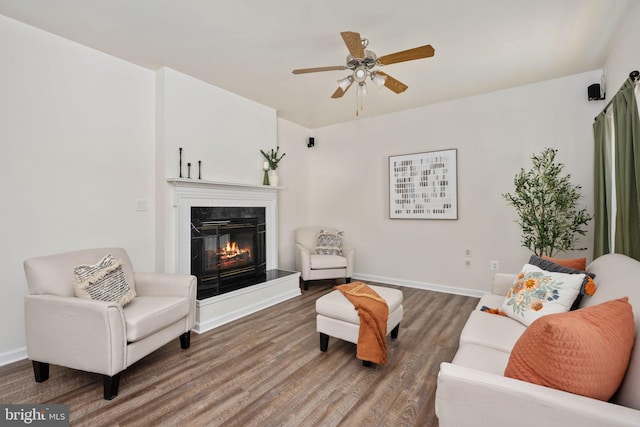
472	390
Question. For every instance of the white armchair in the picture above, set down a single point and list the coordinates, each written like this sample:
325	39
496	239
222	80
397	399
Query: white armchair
99	336
314	266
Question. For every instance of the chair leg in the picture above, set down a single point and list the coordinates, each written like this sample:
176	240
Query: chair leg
348	280
305	285
40	371
111	386
394	331
185	340
366	363
324	342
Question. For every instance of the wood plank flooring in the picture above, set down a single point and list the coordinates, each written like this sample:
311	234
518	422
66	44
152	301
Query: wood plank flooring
267	370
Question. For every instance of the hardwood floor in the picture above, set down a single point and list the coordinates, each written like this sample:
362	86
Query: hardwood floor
267	370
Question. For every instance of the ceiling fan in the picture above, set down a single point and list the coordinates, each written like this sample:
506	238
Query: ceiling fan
363	65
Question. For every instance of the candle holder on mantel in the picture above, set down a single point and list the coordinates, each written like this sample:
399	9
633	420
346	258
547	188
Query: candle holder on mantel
265	179
180	161
189	170
199	169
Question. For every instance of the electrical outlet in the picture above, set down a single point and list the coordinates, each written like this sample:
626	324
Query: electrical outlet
141	205
467	262
495	265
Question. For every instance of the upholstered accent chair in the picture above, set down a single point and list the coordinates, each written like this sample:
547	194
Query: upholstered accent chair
316	262
99	336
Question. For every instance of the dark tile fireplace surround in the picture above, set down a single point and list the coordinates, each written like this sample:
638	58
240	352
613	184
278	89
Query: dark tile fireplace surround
228	249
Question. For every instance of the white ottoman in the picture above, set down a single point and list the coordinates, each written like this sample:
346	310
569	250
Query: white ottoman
337	317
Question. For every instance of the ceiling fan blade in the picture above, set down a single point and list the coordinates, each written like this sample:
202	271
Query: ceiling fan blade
316	69
393	84
354	43
425	51
339	92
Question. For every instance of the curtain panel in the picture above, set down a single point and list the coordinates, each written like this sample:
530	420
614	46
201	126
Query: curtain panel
627	171
617	174
602	185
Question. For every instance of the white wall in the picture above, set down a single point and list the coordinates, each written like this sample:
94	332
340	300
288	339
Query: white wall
624	56
294	199
495	135
77	135
219	128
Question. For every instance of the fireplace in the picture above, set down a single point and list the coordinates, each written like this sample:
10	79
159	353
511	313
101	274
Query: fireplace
228	248
246	293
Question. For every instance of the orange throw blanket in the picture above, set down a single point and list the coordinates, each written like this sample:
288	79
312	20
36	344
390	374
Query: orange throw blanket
373	312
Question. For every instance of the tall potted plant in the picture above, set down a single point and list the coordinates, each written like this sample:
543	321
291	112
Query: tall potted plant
545	202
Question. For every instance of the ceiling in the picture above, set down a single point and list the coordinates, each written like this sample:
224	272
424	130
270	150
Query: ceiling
250	47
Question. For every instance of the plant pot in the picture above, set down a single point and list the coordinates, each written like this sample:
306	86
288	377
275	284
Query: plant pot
273	178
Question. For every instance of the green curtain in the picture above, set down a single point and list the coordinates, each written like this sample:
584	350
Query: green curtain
627	171
602	185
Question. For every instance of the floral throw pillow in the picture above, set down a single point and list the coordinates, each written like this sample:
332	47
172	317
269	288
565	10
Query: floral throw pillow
329	243
537	292
588	286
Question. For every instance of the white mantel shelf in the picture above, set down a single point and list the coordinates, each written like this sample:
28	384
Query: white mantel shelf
188	182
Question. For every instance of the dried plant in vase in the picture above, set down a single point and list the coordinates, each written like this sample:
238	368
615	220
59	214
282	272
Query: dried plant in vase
272	157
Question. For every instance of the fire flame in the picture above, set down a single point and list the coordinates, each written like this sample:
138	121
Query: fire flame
231	250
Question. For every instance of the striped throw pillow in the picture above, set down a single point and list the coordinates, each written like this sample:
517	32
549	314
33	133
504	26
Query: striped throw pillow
103	281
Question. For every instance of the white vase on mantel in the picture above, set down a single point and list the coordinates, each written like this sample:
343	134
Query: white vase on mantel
273	177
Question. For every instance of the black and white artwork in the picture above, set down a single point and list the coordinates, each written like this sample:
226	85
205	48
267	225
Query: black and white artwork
423	185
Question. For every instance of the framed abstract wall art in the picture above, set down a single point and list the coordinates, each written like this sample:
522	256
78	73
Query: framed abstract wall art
423	185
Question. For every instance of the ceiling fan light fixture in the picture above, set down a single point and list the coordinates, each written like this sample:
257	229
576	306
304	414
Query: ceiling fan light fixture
345	83
378	79
362	88
360	74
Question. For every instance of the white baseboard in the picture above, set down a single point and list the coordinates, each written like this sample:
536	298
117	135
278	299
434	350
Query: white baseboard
217	321
219	310
13	356
421	285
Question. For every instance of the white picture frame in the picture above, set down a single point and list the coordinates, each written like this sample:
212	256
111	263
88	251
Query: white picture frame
424	185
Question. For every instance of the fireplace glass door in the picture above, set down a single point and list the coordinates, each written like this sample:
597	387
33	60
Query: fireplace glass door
224	253
228	253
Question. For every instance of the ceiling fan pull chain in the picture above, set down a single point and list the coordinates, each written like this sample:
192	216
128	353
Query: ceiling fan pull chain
359	100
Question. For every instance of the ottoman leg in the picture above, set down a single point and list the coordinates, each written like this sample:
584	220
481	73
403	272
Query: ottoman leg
324	342
366	363
394	331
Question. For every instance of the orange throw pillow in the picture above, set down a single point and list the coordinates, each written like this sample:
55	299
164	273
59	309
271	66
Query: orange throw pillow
584	352
575	263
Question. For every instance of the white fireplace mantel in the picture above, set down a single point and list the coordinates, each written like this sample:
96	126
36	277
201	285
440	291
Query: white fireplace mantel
197	193
198	183
218	310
